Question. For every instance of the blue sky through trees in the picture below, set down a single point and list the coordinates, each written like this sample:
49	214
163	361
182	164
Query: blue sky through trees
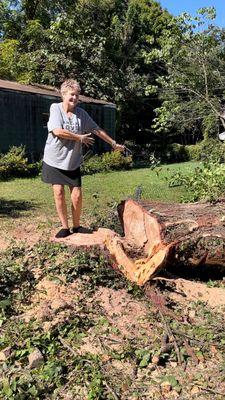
177	7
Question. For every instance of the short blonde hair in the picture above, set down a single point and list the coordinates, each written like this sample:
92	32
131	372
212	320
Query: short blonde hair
69	84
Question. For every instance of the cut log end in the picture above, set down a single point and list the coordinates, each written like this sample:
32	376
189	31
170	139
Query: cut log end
140	270
166	234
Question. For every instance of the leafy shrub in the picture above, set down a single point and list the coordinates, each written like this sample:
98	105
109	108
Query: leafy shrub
15	164
92	165
207	182
212	149
170	153
116	161
158	152
193	151
175	152
106	162
208	149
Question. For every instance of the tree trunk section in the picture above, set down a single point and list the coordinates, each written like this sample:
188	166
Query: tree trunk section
158	234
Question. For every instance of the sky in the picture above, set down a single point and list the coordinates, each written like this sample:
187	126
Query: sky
176	7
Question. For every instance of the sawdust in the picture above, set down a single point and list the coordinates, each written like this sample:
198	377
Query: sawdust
52	302
193	291
20	232
127	314
27	233
3	244
90	346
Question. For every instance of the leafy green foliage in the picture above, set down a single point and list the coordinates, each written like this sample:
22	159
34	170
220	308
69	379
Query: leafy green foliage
13	274
207	182
192	91
102	43
206	150
15	164
172	153
107	162
212	150
193	151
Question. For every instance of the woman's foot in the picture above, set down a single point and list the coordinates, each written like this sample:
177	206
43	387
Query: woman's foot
64	232
76	229
81	229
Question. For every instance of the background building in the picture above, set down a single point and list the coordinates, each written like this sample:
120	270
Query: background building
24	111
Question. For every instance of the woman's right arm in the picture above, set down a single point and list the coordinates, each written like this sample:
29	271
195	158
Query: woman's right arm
55	127
65	134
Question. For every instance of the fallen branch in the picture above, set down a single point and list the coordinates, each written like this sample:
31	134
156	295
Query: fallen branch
190	352
67	346
211	391
160	303
111	390
171	335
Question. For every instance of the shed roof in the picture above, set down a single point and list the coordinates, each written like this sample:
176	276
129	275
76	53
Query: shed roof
45	91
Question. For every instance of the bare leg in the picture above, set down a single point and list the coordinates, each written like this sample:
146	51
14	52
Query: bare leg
76	199
60	203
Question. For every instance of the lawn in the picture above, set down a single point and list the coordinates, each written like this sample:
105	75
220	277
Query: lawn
26	198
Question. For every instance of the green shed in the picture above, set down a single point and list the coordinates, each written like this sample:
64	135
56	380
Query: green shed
24	111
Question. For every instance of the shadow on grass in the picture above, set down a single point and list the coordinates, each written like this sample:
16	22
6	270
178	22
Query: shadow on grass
13	208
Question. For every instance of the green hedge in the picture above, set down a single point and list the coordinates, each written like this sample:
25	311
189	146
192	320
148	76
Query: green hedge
174	153
208	149
15	164
106	162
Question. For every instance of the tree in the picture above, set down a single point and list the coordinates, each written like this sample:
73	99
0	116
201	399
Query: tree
102	43
193	89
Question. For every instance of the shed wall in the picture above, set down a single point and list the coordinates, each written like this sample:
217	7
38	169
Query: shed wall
23	119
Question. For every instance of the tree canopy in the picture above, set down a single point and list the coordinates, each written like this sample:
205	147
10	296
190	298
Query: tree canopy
193	89
101	43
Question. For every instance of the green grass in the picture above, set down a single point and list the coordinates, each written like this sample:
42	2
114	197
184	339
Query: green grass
26	197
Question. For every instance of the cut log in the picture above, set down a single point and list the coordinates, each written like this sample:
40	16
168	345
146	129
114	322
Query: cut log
160	234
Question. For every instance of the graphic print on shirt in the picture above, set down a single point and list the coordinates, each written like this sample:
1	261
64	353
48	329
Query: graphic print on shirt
72	125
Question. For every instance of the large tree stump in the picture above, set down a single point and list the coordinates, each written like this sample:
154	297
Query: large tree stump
160	234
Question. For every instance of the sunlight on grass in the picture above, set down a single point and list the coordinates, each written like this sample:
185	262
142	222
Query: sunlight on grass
37	198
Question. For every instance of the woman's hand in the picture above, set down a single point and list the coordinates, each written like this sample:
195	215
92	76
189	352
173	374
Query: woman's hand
119	147
116	146
87	139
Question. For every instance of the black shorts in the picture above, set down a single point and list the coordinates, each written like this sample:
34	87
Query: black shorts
57	176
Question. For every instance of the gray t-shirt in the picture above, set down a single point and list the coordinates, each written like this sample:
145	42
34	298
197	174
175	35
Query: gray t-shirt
63	153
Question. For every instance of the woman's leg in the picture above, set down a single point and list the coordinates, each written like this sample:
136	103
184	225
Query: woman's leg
60	203
76	199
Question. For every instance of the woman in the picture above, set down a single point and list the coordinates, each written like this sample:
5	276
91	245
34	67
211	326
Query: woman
67	127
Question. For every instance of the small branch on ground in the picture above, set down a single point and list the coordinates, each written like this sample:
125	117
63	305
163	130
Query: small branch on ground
111	390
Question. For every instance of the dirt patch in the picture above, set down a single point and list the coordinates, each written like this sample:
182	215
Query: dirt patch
26	233
89	345
52	303
112	336
3	244
27	230
127	314
194	291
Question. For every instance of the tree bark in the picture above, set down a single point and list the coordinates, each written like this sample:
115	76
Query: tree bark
158	234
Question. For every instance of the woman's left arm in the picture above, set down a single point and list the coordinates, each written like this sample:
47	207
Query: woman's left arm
104	136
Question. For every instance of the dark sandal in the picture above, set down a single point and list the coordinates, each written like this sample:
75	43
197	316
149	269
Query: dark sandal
64	232
76	230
